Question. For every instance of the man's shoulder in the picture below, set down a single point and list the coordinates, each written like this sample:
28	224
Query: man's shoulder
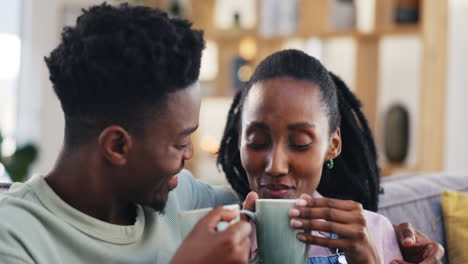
188	185
21	224
18	194
20	207
193	193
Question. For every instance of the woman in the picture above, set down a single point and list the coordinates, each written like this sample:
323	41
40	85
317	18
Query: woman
284	139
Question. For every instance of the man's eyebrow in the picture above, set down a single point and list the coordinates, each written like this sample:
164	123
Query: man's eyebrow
188	131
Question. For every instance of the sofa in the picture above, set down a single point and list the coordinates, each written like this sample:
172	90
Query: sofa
414	199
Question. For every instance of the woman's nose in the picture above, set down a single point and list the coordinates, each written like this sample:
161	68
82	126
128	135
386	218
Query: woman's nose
277	163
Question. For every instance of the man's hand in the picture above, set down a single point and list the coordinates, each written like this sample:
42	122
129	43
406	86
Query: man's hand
206	245
416	247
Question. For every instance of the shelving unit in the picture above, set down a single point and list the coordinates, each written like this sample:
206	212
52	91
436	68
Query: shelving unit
314	21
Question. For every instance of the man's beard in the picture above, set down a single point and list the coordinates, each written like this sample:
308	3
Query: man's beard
159	206
158	203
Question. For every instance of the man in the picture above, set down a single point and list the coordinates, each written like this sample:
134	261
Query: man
126	80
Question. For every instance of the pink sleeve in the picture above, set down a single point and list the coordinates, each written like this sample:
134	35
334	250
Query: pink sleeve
383	236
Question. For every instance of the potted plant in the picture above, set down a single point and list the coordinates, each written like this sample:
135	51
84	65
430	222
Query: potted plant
17	165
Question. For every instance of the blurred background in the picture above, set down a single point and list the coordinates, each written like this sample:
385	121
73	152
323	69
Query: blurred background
406	60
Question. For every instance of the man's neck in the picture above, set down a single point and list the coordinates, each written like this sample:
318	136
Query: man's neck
83	183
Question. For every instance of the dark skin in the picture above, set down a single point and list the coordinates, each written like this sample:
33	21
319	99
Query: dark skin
118	169
152	156
210	246
417	247
269	157
284	143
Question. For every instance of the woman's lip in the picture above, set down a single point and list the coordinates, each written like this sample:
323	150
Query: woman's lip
276	191
275	194
276	187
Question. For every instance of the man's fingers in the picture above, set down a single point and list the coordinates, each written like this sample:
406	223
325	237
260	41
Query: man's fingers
217	215
406	234
249	203
239	231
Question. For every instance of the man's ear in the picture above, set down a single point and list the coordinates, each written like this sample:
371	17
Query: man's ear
115	144
334	149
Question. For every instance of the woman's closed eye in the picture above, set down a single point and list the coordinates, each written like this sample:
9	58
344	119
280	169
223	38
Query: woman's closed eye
300	141
258	141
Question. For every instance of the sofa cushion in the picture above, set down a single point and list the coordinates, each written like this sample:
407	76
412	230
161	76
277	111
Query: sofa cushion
454	205
416	199
4	186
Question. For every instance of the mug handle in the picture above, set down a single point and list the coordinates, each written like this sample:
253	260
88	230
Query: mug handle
223	225
249	214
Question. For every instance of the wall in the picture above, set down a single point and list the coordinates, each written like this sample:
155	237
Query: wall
399	83
10	44
41	120
39	115
456	144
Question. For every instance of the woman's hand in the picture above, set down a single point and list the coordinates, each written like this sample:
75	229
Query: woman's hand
416	247
249	203
344	218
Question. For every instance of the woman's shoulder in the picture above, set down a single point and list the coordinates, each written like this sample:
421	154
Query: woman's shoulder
379	226
383	236
376	219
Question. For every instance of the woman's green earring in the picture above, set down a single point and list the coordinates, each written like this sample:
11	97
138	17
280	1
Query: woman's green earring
330	164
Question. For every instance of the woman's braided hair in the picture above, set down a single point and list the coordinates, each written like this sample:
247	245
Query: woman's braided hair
356	174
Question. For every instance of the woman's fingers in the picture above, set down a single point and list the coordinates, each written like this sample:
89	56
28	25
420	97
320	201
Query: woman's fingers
342	230
343	218
347	205
249	203
322	241
329	214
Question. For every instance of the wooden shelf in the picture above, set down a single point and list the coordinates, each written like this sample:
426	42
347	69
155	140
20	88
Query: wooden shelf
399	30
314	21
389	169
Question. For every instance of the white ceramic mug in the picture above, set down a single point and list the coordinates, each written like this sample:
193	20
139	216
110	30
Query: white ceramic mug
188	219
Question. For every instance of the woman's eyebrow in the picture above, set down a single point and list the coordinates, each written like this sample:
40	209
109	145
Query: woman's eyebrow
258	125
301	125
